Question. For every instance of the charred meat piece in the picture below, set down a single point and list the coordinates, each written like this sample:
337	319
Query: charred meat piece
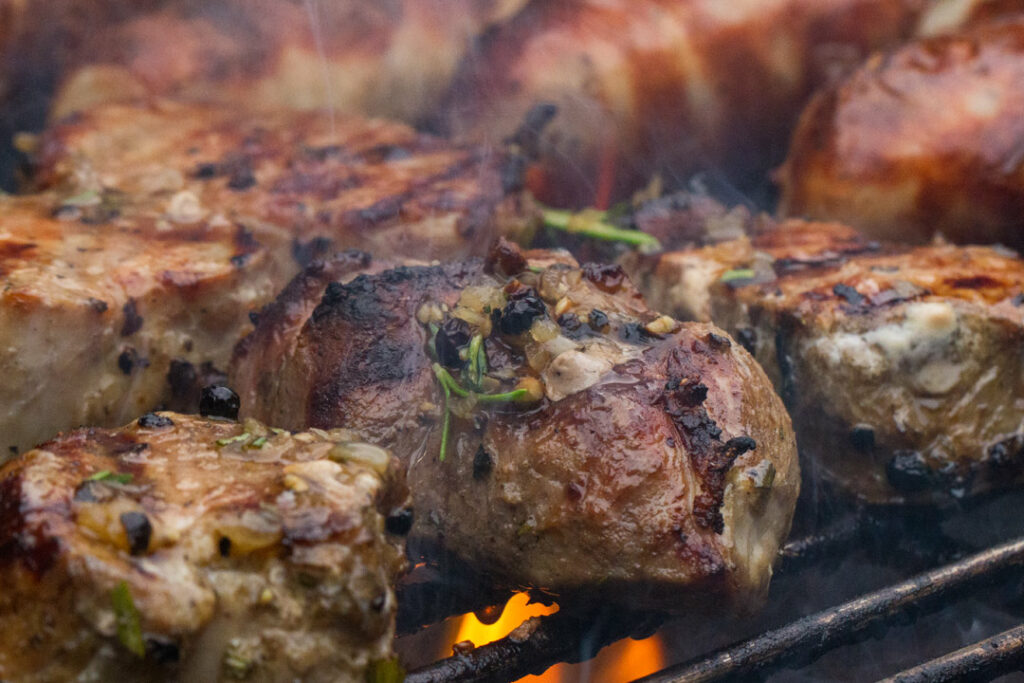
901	366
187	548
660	85
926	139
390	58
164	226
557	432
356	182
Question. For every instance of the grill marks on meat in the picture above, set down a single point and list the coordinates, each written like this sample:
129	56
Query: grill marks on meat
186	250
608	481
900	365
876	152
234	543
661	85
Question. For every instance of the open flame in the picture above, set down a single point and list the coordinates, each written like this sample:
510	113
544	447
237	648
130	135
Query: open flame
624	660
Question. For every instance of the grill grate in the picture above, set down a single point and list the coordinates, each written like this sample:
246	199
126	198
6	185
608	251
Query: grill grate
544	641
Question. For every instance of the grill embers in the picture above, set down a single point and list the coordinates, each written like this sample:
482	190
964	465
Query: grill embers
939	608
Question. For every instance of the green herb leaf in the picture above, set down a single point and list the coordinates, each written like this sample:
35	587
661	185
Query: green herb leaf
595	225
385	671
105	475
129	628
244	436
83	198
477	362
258	442
737	274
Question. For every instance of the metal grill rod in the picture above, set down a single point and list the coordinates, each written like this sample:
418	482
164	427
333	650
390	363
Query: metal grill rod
981	661
808	638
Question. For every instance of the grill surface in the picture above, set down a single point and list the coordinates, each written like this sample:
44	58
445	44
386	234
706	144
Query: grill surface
908	540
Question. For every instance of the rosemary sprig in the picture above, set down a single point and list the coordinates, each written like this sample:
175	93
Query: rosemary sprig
126	616
449	385
592	223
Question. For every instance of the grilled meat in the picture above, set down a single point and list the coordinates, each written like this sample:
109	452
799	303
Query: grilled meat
926	139
162	227
198	549
362	183
662	85
557	432
901	366
391	58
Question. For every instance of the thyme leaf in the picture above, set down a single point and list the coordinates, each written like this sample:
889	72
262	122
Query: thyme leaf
126	615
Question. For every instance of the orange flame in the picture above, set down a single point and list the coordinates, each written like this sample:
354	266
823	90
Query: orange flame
625	660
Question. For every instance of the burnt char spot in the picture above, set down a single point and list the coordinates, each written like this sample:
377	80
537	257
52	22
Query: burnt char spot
908	472
608	278
18	541
129	359
305	253
634	333
717	341
138	530
386	360
365	299
862	438
242	177
483	463
598	319
97	305
683	400
132	319
1018	300
162	651
399	522
224	546
504	259
975	282
154	421
851	295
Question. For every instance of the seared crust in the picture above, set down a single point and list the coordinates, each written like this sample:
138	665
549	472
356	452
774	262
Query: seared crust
266	558
900	365
638	466
362	183
926	139
662	85
392	58
163	226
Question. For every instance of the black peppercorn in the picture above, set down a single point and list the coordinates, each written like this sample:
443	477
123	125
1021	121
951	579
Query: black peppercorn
518	315
483	463
452	336
217	400
138	530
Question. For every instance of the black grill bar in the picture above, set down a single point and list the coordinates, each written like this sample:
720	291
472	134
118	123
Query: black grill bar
808	638
981	661
550	640
537	644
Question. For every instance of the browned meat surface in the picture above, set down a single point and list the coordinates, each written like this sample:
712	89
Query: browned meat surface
926	139
389	58
363	183
662	85
901	366
592	444
163	226
183	548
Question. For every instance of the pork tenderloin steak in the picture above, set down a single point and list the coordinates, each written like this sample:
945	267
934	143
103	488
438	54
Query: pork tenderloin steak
558	433
199	549
901	366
